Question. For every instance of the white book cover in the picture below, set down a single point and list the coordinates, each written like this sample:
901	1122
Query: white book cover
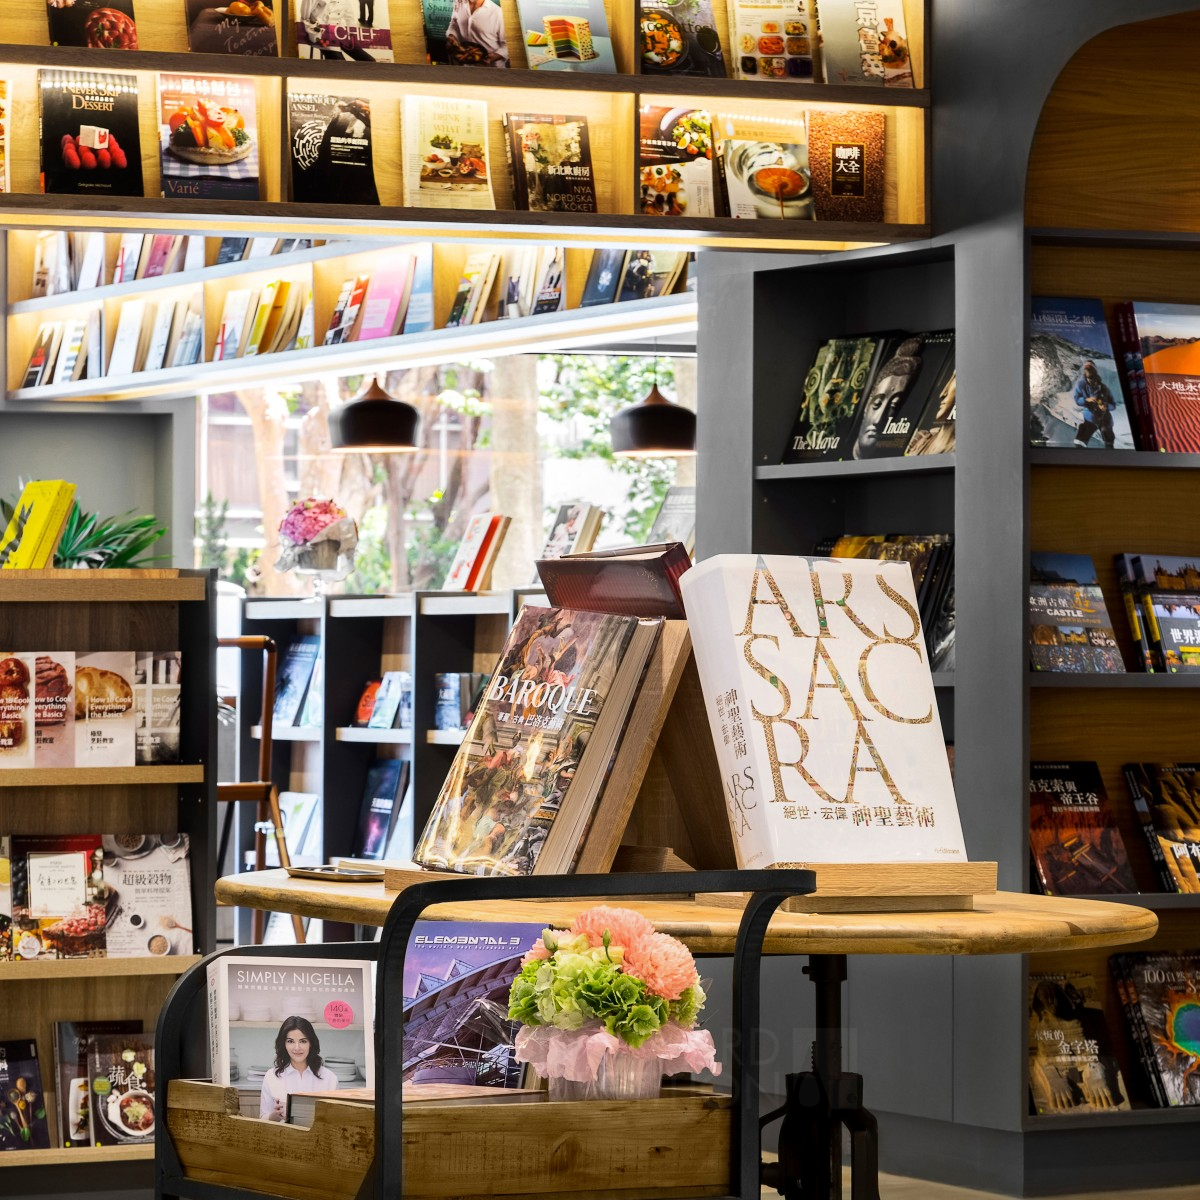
95	345
822	709
73	341
16	709
193	255
262	247
160	335
468	551
233	324
274	1017
91	262
445	153
105	730
156	698
129	253
43	254
307	329
149	881
54	708
122	359
186	350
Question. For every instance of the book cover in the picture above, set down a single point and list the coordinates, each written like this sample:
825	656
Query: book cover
533	760
234	328
23	1121
5	104
91	261
1127	573
17	736
72	351
935	432
603	277
793	654
1170	343
445	153
773	39
208	136
465	34
236	27
283	1025
551	161
6	907
312	713
121	1092
1072	1066
456	980
463	574
419	318
99	24
1069	625
566	35
676	166
105	722
449	702
54	709
1075	396
387	782
149	894
650	273
89	133
43	354
331	149
345	310
343	30
293	677
767	179
160	335
59	897
1077	848
388	700
847	164
365	707
1166	996
864	42
675	520
257	325
231	249
639	581
680	39
573	529
1167	590
382	313
72	1047
31	537
1166	797
551	293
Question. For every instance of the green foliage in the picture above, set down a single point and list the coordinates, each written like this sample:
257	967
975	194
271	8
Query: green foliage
210	529
90	540
428	550
372	560
243	566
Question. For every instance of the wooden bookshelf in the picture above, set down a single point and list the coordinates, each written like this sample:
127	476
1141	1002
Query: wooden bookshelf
84	1156
102	776
95	968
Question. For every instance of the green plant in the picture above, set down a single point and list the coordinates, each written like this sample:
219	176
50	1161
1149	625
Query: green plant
210	529
90	540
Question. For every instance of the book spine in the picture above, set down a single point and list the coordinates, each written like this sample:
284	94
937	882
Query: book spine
516	165
1128	586
1135	1022
1141	805
218	1051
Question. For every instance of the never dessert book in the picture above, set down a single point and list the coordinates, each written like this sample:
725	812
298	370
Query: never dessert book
89	133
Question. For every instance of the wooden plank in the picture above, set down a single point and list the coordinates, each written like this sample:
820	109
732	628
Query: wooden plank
91	968
87	776
62	809
53	586
83	1157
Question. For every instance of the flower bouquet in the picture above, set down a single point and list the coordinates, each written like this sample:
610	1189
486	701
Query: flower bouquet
317	537
609	1007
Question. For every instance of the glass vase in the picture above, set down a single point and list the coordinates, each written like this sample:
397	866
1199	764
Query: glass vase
622	1076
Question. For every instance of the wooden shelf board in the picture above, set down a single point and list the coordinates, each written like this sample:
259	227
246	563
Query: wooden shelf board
83	776
372	606
288	733
919	464
457	604
1045	457
283	610
1150	239
377	737
86	1156
54	586
1185	1115
94	968
1131	679
445	737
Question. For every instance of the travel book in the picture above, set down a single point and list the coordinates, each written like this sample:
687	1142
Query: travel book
208	136
677	172
773	39
99	24
59	897
650	273
459	33
1166	590
524	784
846	162
603	277
24	1124
766	172
1077	848
1072	1065
1069	625
121	1089
445	153
343	30
293	677
680	39
1075	396
89	133
72	1049
820	700
566	36
864	42
1169	336
331	151
551	162
238	27
387	782
1166	798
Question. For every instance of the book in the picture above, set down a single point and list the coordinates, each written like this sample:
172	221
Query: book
1127	572
677	173
773	40
121	1092
515	275
843	728
1077	848
386	298
342	30
158	251
264	313
445	153
149	896
1072	1065
6	906
293	677
525	781
640	581
5	102
1166	797
30	539
466	569
1075	396
234	328
1069	625
566	37
43	354
936	430
456	694
122	359
419	318
302	1106
98	24
680	40
72	1048
105	722
1169	335
477	271
650	273
675	520
767	175
91	262
189	346
58	897
52	263
72	352
345	310
331	149
270	1019
100	155
312	713
208	136
389	699
847	164
54	709
387	782
156	702
1167	592
462	34
864	42
239	27
23	1121
365	708
603	277
231	249
17	746
551	293
550	158
160	336
95	364
573	529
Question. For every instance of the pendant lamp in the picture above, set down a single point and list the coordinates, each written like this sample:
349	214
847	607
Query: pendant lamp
374	423
655	428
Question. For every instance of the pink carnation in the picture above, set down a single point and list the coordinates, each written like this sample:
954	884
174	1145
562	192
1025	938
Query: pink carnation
623	925
306	518
663	963
536	953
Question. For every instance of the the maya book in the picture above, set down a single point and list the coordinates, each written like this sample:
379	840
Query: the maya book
566	35
1069	625
822	709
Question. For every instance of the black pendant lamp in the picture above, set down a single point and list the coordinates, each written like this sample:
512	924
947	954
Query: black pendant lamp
375	423
655	428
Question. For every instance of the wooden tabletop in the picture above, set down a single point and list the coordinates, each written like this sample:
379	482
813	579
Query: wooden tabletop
1003	923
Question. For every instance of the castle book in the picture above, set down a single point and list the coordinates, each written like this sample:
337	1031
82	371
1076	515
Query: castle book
1069	625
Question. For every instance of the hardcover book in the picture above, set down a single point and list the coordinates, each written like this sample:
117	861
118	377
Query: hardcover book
1128	570
551	293
551	163
72	1048
820	700
675	520
54	709
566	35
389	700
1077	848
1167	589
445	153
331	149
59	897
463	34
677	174
466	572
603	277
17	686
573	529
650	273
1166	797
637	581
24	1124
121	1095
343	30
680	39
1075	396
89	133
935	434
208	136
156	700
295	673
147	877
387	782
238	27
99	24
524	784
847	164
1072	1066
1170	344
864	42
105	721
1069	625
773	39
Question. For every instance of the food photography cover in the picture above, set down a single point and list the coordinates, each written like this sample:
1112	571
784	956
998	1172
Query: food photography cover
237	27
208	136
98	24
90	141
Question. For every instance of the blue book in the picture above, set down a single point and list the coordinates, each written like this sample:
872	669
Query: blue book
419	318
294	676
387	781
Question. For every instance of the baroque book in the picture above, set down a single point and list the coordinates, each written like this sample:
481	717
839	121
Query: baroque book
1069	625
551	162
822	709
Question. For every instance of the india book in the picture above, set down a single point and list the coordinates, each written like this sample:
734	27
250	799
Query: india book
822	709
524	784
238	27
551	162
89	133
98	24
331	149
773	39
445	153
680	40
1069	625
864	42
677	174
24	1124
343	30
566	36
208	136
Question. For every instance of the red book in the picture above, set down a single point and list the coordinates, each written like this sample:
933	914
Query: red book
466	571
636	581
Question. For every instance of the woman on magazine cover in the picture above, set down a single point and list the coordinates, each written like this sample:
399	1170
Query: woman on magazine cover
298	1068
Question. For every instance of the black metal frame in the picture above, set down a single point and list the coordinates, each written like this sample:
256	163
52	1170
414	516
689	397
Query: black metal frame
180	1054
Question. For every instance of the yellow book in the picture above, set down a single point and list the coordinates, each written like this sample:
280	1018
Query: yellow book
33	534
266	302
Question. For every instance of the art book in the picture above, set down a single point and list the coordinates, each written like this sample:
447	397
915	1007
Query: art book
387	782
237	27
675	520
330	140
573	529
1077	848
847	163
24	1124
1072	1066
524	784
638	581
864	42
208	135
105	721
147	879
295	673
456	980
156	701
17	739
465	34
680	39
1069	625
1075	396
98	24
59	898
937	429
445	153
1166	797
550	294
121	1089
54	709
551	162
773	39
467	569
821	704
566	35
343	30
1170	343
90	142
677	174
